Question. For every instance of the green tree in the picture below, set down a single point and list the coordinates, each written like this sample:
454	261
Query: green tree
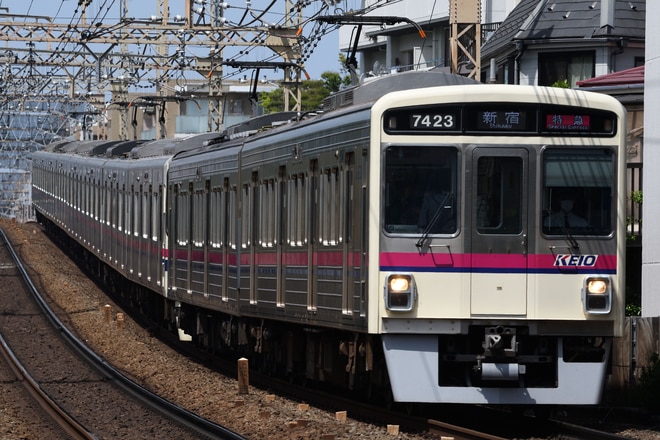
333	81
313	92
272	102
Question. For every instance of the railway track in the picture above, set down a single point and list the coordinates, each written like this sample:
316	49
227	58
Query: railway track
484	423
75	387
445	426
59	416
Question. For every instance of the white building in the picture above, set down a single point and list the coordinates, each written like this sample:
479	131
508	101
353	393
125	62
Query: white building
651	237
399	46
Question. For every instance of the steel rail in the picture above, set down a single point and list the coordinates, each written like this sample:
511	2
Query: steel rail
65	420
58	414
194	422
447	430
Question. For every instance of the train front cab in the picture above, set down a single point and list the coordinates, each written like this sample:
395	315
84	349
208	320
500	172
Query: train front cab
484	300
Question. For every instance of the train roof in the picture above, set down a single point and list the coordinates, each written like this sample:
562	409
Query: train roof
360	96
88	148
57	145
371	89
351	99
169	147
121	149
103	148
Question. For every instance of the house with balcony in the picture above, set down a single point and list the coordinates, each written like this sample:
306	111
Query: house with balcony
399	45
185	113
546	42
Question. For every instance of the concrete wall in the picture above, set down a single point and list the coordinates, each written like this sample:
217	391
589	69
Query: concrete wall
651	185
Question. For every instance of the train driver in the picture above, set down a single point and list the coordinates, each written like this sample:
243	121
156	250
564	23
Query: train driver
565	217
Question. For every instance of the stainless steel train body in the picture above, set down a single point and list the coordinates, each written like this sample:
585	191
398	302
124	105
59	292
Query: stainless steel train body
287	236
110	200
503	302
422	227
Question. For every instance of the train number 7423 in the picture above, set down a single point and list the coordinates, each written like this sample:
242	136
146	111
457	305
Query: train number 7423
433	121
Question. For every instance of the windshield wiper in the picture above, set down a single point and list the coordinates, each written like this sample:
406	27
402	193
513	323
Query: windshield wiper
436	216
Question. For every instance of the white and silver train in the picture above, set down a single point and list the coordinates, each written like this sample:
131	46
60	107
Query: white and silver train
428	238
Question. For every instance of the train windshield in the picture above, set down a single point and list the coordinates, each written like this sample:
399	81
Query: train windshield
420	190
578	187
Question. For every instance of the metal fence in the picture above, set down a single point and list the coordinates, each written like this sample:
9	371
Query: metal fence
634	202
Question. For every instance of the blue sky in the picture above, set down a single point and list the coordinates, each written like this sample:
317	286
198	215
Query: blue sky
324	57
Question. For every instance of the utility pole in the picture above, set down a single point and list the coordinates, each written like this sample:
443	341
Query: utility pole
145	51
465	40
55	76
290	53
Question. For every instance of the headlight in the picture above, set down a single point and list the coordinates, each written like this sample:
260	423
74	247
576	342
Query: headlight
597	295
399	283
400	292
597	286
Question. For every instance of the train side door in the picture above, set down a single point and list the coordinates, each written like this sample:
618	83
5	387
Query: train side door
499	231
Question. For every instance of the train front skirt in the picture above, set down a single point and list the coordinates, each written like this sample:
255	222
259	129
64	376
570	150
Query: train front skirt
413	363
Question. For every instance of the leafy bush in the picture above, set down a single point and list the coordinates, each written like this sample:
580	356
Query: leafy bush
633	310
562	84
637	198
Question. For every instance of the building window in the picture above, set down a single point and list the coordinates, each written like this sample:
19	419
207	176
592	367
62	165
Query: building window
569	66
235	106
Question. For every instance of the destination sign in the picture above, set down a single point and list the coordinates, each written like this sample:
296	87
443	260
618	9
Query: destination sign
508	120
498	118
577	120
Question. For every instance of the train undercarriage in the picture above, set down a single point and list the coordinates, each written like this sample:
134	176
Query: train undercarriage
487	362
333	359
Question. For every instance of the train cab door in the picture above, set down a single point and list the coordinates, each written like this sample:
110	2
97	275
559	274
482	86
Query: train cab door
498	222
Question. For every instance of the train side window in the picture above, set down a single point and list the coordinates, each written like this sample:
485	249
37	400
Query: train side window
74	191
268	218
331	207
98	214
297	202
88	196
217	218
120	209
231	239
98	200
146	212
93	199
76	198
246	210
116	206
137	212
128	205
199	213
70	194
124	199
157	220
85	191
198	217
108	204
182	217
